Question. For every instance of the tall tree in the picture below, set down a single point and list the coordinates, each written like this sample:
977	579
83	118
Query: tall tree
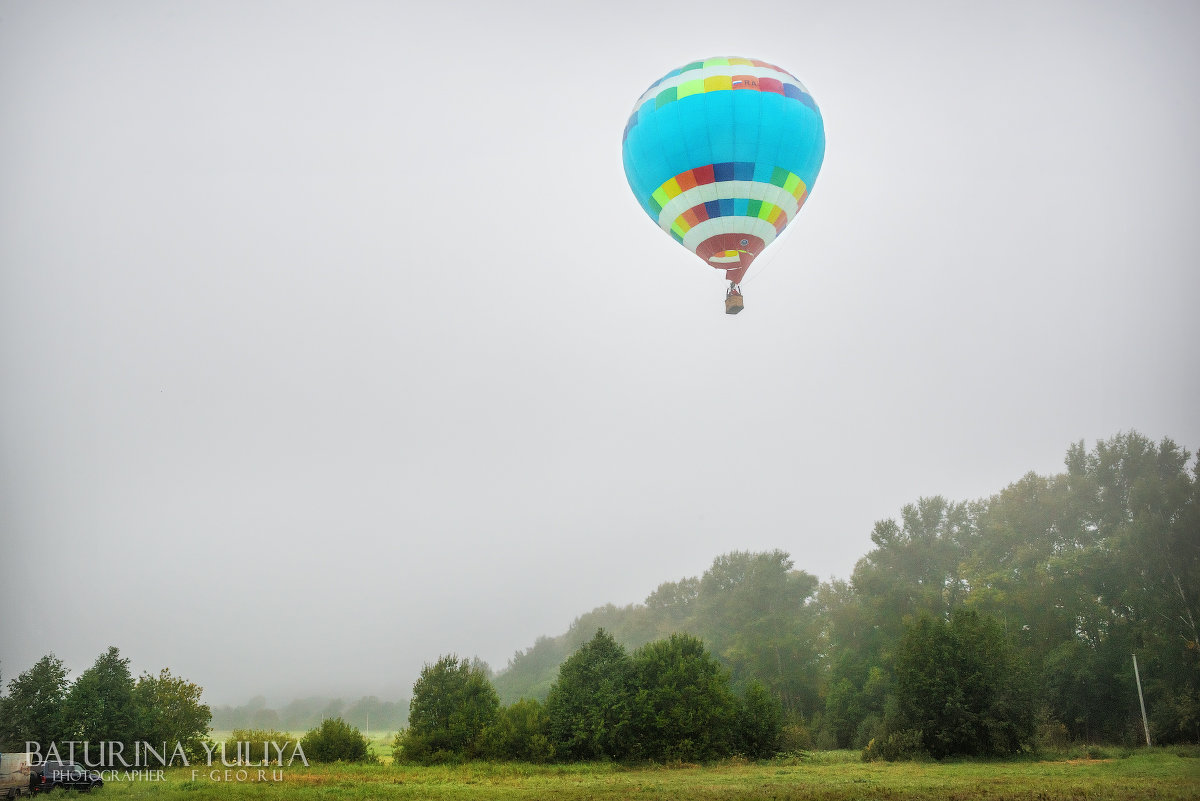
755	611
99	707
962	685
590	704
759	722
33	709
914	569
169	711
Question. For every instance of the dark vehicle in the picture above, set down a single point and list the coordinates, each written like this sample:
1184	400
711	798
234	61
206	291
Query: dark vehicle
68	775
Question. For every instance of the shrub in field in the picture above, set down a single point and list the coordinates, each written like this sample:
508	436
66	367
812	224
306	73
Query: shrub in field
670	701
334	740
759	730
906	744
961	683
683	706
520	732
589	704
416	748
452	703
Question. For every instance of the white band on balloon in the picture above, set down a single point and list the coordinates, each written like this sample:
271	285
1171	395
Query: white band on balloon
723	190
755	226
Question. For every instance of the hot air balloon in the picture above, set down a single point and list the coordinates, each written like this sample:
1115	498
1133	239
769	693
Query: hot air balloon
722	154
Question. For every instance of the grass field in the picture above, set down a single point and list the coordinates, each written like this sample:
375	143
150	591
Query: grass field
1151	774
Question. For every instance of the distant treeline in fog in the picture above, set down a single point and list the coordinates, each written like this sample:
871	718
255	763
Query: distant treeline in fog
985	627
1080	571
301	714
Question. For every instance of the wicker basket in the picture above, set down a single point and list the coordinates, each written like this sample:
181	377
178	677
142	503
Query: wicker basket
733	304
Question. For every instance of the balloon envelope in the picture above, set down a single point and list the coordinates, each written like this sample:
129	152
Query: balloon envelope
722	154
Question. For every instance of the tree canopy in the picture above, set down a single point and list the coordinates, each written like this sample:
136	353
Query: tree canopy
452	703
334	740
103	704
1078	571
589	704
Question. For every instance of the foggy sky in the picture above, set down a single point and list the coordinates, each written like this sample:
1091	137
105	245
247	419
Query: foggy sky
332	338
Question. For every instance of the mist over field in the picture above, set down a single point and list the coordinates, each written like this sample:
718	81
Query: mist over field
332	339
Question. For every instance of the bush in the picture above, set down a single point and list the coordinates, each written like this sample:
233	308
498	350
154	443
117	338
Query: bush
453	702
520	732
589	705
684	708
334	740
906	744
962	685
759	731
417	749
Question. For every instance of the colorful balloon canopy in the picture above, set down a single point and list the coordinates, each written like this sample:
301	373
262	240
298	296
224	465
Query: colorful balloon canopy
722	153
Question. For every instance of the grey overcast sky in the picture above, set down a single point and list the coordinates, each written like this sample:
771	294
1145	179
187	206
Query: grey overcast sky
332	338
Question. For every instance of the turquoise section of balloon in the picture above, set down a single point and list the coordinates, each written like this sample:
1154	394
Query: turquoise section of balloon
764	128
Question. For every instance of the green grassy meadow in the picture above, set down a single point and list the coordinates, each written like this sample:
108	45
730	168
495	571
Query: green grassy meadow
1147	774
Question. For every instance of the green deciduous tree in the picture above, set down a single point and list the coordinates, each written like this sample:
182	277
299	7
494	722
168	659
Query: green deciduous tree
963	686
754	611
1080	569
453	701
914	569
169	711
32	710
99	707
683	706
334	740
589	705
759	722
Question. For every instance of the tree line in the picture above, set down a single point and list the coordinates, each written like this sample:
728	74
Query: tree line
983	627
669	700
1034	599
103	705
368	713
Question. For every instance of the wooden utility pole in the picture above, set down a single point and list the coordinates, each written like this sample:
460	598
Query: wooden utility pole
1141	700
